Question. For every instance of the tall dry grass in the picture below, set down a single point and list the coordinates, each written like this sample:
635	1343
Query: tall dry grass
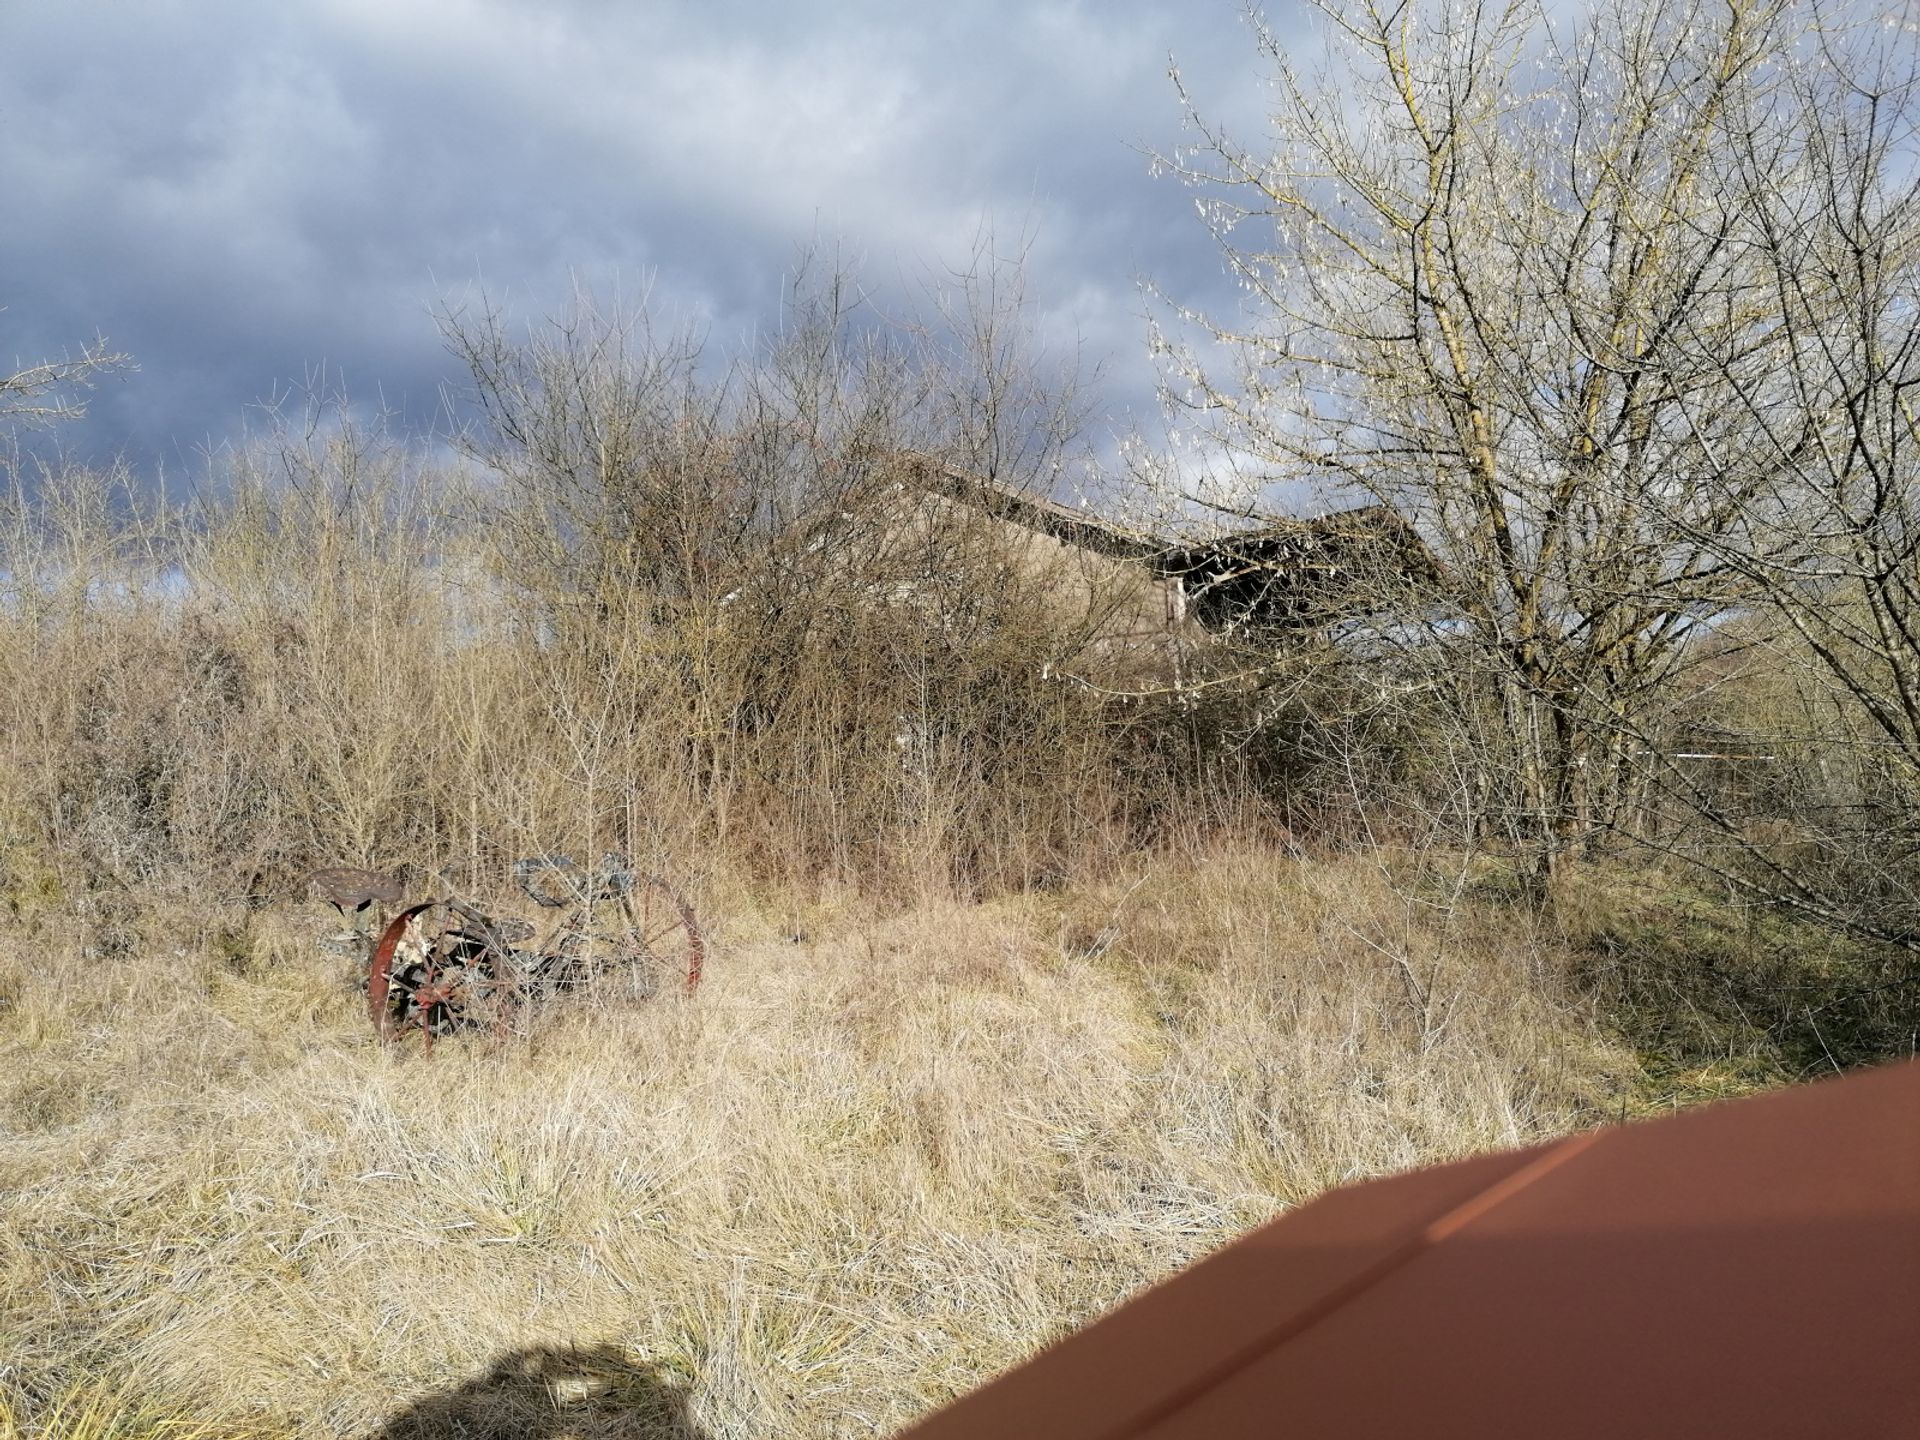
700	621
856	1175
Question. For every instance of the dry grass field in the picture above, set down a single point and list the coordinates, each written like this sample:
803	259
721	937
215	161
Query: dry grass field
862	1170
1073	906
1033	976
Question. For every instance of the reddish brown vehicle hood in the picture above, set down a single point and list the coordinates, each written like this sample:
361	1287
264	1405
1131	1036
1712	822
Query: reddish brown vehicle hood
1746	1269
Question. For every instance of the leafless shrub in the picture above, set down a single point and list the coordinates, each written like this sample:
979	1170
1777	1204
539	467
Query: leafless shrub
672	607
1497	282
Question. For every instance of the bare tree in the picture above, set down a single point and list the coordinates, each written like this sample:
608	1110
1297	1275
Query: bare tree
51	391
1823	489
1495	278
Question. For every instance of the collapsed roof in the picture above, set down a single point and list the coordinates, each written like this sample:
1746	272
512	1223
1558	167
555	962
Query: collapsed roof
1286	574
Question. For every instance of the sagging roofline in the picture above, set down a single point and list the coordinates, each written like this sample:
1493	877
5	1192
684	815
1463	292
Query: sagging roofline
1285	573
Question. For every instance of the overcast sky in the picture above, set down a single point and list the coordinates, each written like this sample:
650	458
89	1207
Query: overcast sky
237	192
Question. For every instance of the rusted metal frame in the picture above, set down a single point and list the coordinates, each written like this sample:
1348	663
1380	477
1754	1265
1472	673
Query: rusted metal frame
380	976
490	973
504	985
431	989
348	887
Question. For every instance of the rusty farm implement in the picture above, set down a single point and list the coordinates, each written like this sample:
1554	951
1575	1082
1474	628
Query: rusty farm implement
442	965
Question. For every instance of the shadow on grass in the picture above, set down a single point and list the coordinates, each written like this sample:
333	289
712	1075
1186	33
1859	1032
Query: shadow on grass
1718	998
550	1392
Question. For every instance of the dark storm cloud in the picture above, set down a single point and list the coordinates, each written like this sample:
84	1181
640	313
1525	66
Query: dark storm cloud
238	193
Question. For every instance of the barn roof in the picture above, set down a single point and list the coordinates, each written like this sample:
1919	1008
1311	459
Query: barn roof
1282	573
1750	1268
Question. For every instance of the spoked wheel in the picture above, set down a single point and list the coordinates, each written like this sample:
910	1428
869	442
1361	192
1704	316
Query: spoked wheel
439	967
663	930
620	921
